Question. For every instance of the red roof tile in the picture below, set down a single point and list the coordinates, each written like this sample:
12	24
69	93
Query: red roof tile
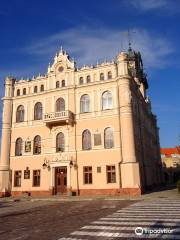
169	151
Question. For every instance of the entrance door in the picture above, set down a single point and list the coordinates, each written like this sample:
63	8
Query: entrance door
61	180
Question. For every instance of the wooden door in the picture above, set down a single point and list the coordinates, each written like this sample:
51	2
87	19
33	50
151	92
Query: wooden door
61	180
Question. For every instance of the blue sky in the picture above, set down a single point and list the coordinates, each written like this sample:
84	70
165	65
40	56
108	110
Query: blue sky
31	32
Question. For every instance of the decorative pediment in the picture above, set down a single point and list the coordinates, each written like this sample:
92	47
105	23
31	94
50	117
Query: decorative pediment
62	62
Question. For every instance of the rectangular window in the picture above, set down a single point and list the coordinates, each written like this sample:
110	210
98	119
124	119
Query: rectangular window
36	178
87	175
111	174
17	178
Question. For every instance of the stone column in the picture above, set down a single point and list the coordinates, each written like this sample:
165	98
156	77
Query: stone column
5	184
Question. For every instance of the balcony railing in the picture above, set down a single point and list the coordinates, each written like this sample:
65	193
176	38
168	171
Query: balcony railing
63	117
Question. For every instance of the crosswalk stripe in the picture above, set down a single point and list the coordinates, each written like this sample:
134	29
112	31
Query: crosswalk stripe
97	227
123	235
142	219
147	214
149	208
136	223
147	211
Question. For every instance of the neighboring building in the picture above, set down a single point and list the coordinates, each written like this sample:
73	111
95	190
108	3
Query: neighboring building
80	131
171	164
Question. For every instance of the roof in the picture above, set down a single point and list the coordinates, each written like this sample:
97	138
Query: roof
168	151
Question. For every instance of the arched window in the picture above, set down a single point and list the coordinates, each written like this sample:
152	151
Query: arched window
20	114
109	75
37	145
101	76
63	83
60	105
81	81
18	92
38	111
108	138
60	142
42	88
57	84
35	89
85	103
106	100
24	91
86	140
88	79
18	147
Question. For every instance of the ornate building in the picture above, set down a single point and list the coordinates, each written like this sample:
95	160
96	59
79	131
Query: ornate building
80	131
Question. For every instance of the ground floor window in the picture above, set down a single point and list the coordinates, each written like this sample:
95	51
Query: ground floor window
111	174
87	175
17	179
36	178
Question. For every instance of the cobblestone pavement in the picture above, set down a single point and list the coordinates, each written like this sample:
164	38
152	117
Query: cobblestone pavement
75	218
40	220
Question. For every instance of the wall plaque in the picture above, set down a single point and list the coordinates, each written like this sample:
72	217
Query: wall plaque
28	146
97	139
26	174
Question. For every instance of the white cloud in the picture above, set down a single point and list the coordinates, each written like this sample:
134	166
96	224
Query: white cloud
91	45
147	5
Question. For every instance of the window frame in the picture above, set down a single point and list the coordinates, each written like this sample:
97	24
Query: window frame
107	101
88	145
87	175
57	84
24	91
18	92
61	103
111	174
42	88
81	81
60	143
85	103
37	177
108	138
38	111
37	147
18	147
63	83
17	177
109	75
20	114
101	77
35	89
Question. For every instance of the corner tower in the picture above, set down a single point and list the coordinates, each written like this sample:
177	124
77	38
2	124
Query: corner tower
6	137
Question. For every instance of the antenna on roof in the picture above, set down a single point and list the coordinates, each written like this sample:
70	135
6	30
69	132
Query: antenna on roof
128	34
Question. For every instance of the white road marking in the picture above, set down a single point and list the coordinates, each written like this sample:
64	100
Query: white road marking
150	215
137	223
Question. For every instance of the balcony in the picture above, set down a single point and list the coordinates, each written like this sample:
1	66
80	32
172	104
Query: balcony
59	118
